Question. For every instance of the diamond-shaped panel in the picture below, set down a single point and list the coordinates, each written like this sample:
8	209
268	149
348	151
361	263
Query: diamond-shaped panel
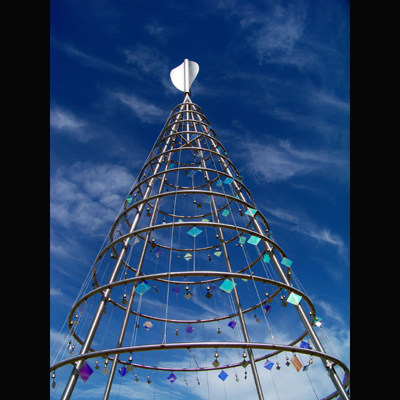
189	329
142	288
223	375
294	298
171	377
194	232
85	372
253	240
268	365
227	286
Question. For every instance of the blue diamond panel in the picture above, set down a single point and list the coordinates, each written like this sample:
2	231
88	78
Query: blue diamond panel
227	286
194	232
286	262
304	345
223	375
189	329
171	377
176	289
142	288
225	213
251	211
232	324
228	181
254	240
268	365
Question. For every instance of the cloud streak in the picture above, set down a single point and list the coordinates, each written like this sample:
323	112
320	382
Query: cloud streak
303	224
145	111
272	162
87	196
64	122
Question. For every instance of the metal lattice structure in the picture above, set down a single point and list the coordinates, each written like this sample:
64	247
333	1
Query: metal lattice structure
190	224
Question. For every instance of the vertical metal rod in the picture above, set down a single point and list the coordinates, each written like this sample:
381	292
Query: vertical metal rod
131	298
317	344
234	291
97	317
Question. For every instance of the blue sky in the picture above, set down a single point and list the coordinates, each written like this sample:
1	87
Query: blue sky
274	82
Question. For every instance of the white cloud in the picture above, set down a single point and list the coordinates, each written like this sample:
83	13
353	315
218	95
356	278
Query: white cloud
272	162
323	235
80	195
146	112
275	34
91	61
65	122
302	223
147	59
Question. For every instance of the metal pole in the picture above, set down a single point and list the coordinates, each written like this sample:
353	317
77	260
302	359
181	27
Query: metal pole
132	295
331	371
235	294
97	317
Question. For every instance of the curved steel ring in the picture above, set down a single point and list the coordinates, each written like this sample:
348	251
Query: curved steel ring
200	345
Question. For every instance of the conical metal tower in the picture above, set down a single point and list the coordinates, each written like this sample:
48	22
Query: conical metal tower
189	232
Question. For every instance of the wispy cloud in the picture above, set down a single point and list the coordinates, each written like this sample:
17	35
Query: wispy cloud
147	59
145	111
323	235
91	61
87	196
276	33
300	222
276	161
65	122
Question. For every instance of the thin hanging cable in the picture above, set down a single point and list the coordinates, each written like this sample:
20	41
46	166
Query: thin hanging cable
169	266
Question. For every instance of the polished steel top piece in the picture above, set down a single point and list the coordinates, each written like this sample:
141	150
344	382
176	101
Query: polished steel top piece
184	75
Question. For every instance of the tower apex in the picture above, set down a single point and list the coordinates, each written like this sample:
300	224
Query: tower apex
183	76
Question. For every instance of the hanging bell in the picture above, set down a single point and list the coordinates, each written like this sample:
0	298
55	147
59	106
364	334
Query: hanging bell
124	302
97	365
277	366
287	361
148	379
236	379
130	358
244	354
216	355
185	381
136	378
155	288
53	375
219	332
106	362
176	333
245	374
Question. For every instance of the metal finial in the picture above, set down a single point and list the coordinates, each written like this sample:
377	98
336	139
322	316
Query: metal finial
183	76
